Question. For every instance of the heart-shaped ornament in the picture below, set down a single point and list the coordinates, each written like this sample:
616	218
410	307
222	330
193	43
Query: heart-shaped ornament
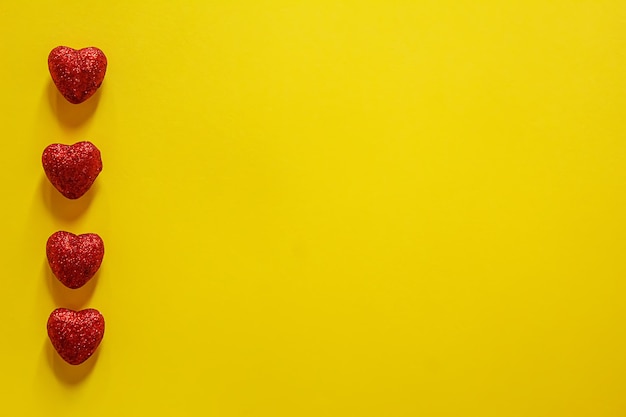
74	260
75	334
77	73
72	169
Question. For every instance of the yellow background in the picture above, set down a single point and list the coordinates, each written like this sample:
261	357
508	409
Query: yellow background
347	208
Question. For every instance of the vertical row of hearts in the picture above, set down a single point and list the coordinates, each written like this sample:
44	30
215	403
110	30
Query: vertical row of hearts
72	169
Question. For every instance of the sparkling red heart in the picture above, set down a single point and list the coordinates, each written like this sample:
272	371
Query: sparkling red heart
75	334
77	74
72	169
74	260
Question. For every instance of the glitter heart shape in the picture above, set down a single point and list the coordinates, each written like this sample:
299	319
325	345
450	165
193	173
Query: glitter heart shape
74	259
72	169
75	334
77	73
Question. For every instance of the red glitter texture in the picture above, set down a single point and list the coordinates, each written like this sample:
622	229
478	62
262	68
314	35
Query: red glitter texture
75	334
77	73
74	260
72	169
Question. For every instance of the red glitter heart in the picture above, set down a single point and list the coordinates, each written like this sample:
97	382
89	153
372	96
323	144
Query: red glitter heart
74	260
72	169
77	73
75	334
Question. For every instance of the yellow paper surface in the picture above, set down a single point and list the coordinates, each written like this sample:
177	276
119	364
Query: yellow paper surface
324	208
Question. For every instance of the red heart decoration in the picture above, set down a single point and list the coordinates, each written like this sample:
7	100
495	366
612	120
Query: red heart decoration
75	334
77	73
72	169
74	260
